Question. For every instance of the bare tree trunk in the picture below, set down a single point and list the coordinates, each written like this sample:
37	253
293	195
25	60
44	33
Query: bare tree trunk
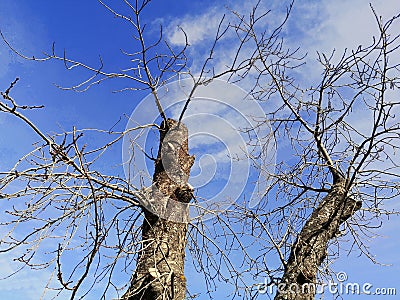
310	249
160	268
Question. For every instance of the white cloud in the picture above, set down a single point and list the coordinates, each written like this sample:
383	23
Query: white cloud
203	27
313	26
26	284
325	26
197	28
353	21
201	30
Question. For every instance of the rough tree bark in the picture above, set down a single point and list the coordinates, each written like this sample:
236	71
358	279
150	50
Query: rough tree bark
310	248
160	267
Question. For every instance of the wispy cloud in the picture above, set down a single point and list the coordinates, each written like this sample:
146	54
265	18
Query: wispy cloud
325	26
197	28
17	26
22	285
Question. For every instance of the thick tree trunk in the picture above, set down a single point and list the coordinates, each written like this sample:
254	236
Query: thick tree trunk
310	249
160	268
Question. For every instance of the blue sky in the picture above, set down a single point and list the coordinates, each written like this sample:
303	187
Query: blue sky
86	30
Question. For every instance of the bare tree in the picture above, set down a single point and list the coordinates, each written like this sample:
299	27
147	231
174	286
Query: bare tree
337	178
64	197
338	167
114	225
